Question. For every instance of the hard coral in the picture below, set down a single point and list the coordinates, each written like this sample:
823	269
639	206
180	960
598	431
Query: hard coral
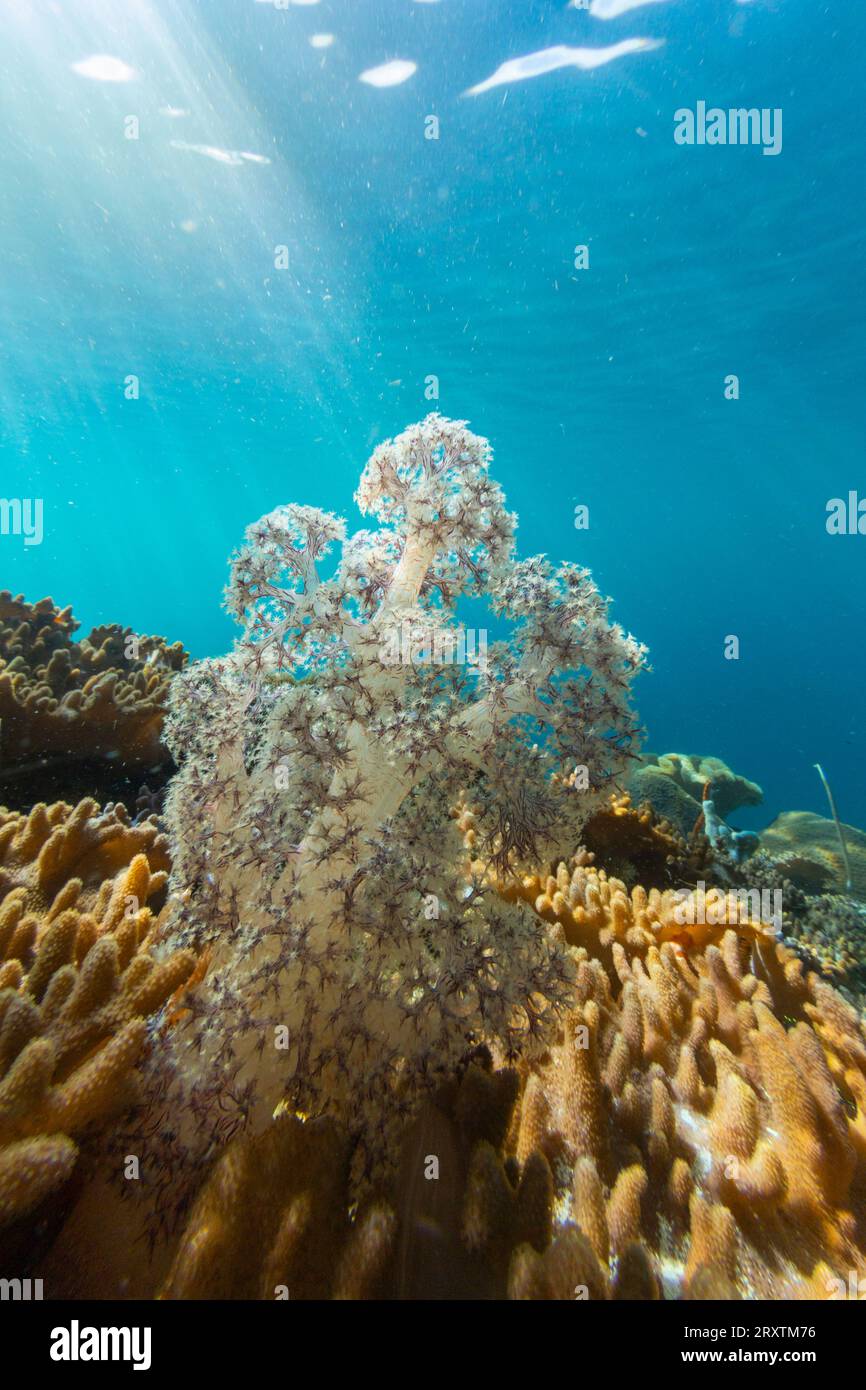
814	839
827	929
354	959
706	776
77	982
676	784
88	707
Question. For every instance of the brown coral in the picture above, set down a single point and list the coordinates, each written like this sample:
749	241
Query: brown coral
77	982
709	1109
807	847
698	1130
630	842
273	1220
94	705
676	783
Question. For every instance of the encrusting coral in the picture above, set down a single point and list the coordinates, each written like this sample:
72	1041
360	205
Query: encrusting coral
77	983
807	846
353	962
87	710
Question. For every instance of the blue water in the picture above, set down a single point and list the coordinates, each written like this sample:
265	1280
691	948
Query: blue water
410	257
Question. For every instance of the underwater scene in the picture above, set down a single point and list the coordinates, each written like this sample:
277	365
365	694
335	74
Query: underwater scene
432	540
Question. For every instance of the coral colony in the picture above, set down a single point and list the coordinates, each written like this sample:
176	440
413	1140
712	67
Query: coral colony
406	914
353	954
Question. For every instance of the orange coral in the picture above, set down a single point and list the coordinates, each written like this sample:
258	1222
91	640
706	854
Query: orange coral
596	911
680	1113
77	982
697	1130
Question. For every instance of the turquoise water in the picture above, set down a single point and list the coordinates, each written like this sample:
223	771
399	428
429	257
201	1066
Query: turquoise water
410	257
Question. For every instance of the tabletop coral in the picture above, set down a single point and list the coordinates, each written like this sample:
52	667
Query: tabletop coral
77	711
353	954
814	839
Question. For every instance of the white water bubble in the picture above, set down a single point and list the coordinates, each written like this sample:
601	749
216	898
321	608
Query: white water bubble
234	158
101	67
561	56
389	74
612	9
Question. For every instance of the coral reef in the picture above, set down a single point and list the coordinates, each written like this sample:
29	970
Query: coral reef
827	929
806	847
273	1219
709	1107
636	845
697	1130
433	1008
77	983
353	961
77	715
833	930
676	784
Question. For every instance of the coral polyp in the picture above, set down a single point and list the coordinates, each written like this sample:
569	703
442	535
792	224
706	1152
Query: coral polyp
355	954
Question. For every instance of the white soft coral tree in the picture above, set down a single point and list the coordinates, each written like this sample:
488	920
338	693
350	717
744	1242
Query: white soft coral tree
354	956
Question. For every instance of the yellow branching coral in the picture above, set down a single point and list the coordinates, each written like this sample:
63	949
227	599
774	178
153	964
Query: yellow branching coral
596	911
58	857
274	1221
77	982
704	1115
697	1130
